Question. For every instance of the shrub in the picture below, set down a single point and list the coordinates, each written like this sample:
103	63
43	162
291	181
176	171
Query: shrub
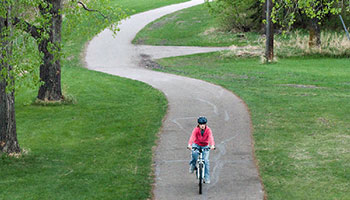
236	15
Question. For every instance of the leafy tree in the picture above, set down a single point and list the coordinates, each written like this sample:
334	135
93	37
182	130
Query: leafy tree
235	14
50	46
8	142
27	23
14	67
285	13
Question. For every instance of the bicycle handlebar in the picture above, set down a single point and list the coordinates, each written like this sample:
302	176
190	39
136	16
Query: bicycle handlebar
195	148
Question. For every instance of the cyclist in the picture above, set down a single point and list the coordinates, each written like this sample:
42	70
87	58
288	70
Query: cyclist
201	138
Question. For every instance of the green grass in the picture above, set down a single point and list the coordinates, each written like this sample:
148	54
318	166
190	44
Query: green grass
196	27
191	27
300	112
299	105
98	148
136	6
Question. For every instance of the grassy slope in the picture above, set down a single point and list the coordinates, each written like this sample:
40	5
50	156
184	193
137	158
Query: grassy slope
189	27
98	148
299	106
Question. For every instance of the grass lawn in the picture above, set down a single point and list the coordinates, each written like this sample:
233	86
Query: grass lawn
299	105
300	112
98	148
190	27
136	6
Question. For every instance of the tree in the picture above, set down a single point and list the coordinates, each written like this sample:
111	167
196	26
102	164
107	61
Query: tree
269	33
45	28
234	15
8	137
285	11
50	70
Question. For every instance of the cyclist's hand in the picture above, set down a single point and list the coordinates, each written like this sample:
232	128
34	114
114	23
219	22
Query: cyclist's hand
212	147
189	147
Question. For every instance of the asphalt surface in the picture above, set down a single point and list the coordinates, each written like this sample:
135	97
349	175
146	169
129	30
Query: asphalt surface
233	171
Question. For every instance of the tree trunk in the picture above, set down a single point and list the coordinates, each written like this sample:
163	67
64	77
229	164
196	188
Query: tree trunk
50	70
269	32
314	34
8	135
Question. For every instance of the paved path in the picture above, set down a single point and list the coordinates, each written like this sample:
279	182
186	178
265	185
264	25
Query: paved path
233	172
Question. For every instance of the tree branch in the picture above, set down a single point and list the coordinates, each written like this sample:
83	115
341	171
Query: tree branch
91	10
29	28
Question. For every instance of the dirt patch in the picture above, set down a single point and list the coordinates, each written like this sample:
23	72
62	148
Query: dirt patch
148	63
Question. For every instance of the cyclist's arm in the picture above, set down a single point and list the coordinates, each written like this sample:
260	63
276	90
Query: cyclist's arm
191	140
211	140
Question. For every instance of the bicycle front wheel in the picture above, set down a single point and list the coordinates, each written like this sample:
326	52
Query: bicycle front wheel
200	184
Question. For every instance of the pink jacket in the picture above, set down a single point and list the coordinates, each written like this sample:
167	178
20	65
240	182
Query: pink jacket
204	140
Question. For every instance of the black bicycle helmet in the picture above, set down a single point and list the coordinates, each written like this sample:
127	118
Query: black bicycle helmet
202	120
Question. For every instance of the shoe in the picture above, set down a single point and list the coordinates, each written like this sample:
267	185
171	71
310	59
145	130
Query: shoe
206	181
191	169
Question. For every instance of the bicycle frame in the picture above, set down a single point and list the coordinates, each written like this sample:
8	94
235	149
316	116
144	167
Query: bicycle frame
200	165
200	168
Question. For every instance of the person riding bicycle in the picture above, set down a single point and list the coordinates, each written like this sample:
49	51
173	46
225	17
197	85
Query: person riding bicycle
201	138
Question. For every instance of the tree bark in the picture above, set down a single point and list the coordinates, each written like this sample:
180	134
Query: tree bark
50	70
8	135
314	33
269	32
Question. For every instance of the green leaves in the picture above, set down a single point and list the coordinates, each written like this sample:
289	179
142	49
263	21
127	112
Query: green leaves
32	21
284	11
234	14
99	14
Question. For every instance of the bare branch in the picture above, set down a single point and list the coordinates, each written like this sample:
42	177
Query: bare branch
91	10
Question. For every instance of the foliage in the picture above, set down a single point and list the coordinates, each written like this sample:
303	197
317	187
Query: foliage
31	21
195	27
248	15
23	58
105	14
234	14
285	12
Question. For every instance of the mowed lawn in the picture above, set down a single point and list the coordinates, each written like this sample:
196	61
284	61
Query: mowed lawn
300	110
299	105
99	146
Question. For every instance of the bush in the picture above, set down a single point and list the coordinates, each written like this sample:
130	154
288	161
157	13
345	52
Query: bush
237	15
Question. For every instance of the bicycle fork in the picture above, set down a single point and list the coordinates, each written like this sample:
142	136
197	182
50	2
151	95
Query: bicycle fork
200	166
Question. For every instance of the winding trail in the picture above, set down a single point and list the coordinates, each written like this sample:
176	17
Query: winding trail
233	171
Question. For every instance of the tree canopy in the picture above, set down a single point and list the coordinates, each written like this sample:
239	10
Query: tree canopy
30	36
